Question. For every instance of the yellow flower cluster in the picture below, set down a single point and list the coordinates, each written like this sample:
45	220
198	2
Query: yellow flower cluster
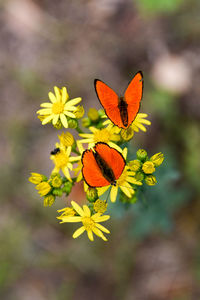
67	155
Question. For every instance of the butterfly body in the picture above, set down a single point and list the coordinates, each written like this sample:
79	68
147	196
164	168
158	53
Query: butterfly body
102	165
121	110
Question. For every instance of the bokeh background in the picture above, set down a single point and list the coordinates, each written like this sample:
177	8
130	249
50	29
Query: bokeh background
154	249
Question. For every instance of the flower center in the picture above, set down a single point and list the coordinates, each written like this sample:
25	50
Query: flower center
102	135
61	159
58	108
88	223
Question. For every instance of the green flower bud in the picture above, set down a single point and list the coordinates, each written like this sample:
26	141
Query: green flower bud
72	123
93	115
157	159
57	192
86	122
135	165
92	195
150	180
101	112
148	167
49	200
58	125
67	187
139	176
141	154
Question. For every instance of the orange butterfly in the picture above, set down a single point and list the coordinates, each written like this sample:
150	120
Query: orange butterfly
102	165
121	110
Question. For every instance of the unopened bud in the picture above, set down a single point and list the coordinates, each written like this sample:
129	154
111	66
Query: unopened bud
157	159
67	187
139	176
93	114
58	125
135	165
141	154
86	122
72	123
49	200
148	167
150	180
66	139
127	134
79	112
92	195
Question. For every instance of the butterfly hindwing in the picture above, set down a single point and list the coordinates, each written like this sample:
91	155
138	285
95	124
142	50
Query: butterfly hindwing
109	100
91	171
133	96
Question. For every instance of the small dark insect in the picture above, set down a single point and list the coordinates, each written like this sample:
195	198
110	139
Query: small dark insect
55	151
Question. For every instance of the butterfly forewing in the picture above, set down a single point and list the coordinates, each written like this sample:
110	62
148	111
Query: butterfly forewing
91	171
109	100
133	96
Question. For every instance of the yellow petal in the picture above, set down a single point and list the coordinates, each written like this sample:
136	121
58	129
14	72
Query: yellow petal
102	228
47	119
90	235
78	232
86	210
69	114
77	208
113	193
64	95
52	97
73	101
55	119
66	219
57	92
64	120
99	233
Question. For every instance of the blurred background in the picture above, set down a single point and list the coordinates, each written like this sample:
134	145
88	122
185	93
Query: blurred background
154	249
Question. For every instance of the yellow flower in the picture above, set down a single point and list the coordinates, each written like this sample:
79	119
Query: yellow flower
157	159
43	188
106	135
134	127
139	121
100	206
66	139
123	183
60	107
36	178
148	167
67	211
150	180
90	222
49	200
63	161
